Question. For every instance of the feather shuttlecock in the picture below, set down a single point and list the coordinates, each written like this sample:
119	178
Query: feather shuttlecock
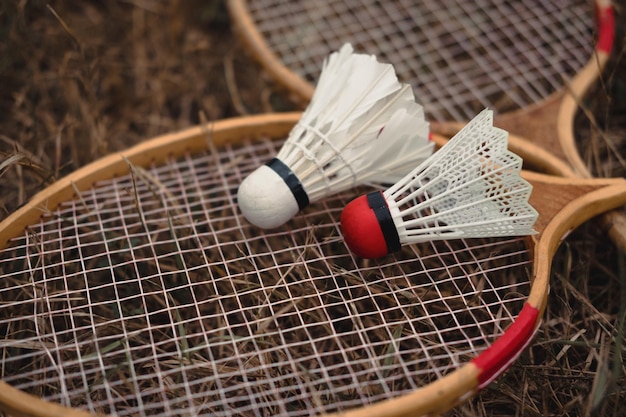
470	188
362	126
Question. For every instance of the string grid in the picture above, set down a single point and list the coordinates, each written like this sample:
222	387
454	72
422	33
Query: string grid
149	294
460	56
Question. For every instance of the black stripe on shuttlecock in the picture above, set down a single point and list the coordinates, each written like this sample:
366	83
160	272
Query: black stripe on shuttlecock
377	203
292	181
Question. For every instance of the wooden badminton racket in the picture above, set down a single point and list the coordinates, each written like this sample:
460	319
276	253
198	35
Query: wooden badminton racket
531	61
135	287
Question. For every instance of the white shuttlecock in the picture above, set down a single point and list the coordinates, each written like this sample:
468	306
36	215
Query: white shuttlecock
470	188
361	127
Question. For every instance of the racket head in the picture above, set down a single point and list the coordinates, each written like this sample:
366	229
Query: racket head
531	62
151	180
459	57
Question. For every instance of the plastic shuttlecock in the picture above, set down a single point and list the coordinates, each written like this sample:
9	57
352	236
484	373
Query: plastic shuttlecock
470	188
362	126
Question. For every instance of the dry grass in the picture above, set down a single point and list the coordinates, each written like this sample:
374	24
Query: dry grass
81	81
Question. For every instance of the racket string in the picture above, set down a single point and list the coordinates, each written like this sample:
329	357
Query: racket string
460	56
150	295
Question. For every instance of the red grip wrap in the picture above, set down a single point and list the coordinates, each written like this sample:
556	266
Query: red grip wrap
606	28
499	356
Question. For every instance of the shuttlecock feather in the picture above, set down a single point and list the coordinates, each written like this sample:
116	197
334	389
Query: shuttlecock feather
470	188
362	126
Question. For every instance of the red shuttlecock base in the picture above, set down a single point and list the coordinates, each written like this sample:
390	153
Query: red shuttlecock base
367	227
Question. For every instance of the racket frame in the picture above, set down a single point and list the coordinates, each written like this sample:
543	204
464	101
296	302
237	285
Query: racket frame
571	203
